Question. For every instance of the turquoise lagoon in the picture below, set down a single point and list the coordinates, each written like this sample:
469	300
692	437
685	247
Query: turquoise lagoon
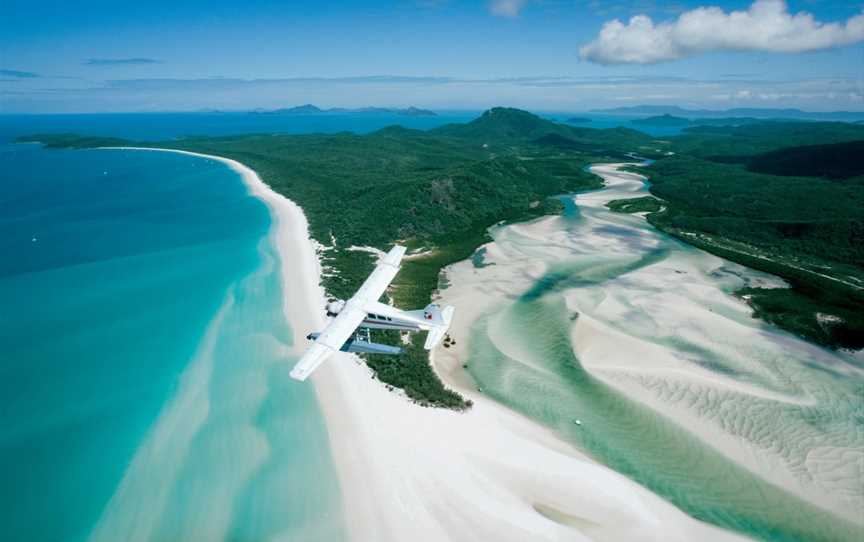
145	390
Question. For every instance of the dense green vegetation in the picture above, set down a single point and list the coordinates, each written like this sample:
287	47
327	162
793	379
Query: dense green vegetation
635	205
796	215
824	317
804	229
736	144
439	191
832	161
412	373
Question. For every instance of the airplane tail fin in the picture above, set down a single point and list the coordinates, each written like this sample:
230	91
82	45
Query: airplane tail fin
442	319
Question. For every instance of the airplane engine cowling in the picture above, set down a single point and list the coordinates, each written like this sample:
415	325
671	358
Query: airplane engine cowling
335	307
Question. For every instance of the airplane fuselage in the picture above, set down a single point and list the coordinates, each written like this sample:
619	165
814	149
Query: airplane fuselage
377	321
416	320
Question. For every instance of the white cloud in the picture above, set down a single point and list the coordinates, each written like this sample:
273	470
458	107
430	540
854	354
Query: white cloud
506	8
766	26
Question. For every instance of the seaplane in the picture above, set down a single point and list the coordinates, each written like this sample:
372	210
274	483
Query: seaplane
351	320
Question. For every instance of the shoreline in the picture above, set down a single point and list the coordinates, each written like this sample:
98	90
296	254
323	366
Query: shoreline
432	474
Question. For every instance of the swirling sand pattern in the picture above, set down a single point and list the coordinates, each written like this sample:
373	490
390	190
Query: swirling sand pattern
598	317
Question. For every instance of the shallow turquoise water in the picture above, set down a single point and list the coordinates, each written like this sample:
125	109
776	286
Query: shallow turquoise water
146	266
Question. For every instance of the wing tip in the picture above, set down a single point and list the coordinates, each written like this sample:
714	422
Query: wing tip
310	361
299	375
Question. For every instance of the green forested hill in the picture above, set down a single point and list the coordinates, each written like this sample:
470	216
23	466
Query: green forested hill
503	123
818	217
832	161
736	144
507	125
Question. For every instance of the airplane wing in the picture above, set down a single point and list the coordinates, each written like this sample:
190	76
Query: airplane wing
330	340
381	277
312	358
352	314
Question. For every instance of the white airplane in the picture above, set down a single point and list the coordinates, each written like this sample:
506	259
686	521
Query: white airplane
348	331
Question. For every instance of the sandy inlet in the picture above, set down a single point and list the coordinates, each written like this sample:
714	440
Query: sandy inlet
598	316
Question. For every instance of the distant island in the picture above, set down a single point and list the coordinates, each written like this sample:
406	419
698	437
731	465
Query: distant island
672	121
662	120
758	113
577	120
309	109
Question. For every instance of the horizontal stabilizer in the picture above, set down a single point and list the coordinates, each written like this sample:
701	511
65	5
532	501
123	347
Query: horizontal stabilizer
439	331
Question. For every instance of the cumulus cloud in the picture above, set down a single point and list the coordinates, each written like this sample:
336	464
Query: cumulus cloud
506	8
766	26
119	61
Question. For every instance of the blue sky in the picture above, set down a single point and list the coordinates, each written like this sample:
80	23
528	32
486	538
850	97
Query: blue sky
95	55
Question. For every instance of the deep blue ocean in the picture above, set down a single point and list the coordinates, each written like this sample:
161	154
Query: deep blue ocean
142	341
